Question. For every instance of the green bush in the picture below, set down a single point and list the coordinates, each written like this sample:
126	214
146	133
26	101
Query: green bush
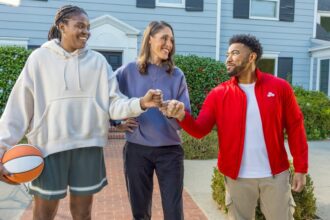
12	60
205	148
305	201
202	74
316	110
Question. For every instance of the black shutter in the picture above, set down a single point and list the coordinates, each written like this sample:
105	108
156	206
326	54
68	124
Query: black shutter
194	5
284	68
241	9
324	76
323	5
287	10
145	3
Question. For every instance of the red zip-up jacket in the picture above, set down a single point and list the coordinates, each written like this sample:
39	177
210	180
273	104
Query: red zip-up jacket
226	106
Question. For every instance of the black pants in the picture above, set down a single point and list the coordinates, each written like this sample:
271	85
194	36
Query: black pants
140	162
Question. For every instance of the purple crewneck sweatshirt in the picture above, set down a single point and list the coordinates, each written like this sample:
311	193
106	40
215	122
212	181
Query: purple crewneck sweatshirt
154	128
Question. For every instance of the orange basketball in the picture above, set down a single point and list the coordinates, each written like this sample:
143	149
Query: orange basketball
24	162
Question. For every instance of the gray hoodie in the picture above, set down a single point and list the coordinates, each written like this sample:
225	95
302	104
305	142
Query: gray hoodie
63	101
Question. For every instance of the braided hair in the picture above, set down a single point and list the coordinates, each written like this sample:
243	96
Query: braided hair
62	15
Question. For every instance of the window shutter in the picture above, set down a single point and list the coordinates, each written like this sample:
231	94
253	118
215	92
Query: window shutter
284	68
324	76
145	4
241	9
194	5
323	5
287	10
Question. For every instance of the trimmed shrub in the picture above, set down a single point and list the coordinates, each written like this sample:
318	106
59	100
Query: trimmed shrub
305	201
12	60
205	148
202	74
316	110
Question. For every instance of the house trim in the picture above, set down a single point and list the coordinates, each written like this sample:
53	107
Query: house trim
110	34
311	68
315	17
218	36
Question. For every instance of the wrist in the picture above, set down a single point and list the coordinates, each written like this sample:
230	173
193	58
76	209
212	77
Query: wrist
182	116
142	104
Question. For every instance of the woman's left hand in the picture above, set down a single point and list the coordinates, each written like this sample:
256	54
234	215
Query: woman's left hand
127	125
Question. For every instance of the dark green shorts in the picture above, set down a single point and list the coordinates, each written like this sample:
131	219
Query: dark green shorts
82	170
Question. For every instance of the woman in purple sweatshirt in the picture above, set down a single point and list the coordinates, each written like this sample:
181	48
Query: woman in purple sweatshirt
153	141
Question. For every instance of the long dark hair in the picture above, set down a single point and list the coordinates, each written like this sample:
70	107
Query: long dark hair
62	15
153	28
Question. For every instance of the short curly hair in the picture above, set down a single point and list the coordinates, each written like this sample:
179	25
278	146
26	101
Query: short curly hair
250	41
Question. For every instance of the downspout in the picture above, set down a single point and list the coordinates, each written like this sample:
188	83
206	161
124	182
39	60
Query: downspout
217	38
311	73
312	58
315	18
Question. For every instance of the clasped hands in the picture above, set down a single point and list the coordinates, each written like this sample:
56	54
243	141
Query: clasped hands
170	108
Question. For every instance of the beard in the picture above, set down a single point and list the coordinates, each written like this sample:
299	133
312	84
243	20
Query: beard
236	71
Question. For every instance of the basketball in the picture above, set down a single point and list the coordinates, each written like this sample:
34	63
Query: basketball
24	162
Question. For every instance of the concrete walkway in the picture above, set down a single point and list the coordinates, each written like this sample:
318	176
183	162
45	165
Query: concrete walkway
14	202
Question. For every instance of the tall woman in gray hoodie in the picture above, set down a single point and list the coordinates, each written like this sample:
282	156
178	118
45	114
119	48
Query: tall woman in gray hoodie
62	101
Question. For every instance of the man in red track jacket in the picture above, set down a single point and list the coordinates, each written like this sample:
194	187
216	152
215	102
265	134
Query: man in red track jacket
252	111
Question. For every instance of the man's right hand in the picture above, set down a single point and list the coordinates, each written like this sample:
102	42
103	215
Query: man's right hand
3	170
173	108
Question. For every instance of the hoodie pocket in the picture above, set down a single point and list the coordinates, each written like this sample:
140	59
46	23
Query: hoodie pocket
70	118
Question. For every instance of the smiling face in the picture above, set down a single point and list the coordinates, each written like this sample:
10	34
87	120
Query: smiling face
161	45
238	59
75	32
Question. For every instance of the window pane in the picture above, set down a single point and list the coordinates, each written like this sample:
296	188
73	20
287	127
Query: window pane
170	1
267	65
324	76
325	23
261	8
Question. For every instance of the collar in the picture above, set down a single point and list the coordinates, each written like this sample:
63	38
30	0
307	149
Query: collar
234	79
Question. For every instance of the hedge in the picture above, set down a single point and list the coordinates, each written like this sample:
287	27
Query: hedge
200	149
12	60
202	74
316	110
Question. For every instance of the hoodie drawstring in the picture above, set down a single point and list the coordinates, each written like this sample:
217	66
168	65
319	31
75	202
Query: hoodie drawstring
78	72
71	60
64	77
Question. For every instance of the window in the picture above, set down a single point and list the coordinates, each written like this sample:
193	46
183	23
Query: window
189	5
171	3
264	9
324	76
113	58
325	23
267	65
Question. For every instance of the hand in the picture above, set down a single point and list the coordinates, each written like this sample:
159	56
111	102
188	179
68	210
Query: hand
3	170
298	182
153	98
127	125
173	108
